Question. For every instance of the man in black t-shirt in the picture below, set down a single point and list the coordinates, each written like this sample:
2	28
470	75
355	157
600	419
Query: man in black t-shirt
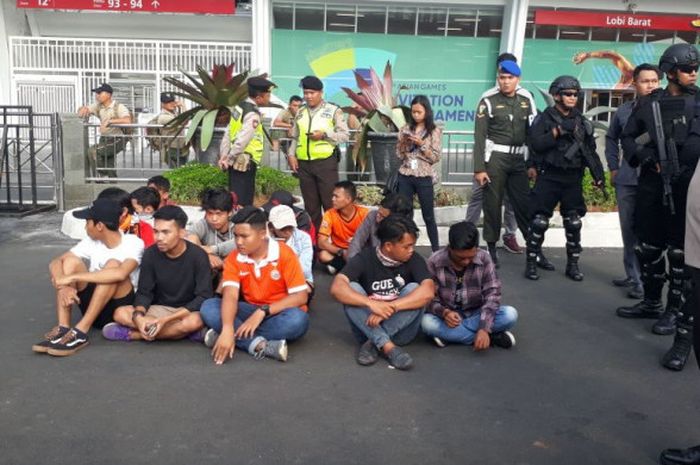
175	279
384	291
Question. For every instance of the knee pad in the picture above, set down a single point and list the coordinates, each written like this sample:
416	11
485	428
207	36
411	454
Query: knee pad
538	227
572	228
572	221
676	258
677	276
648	254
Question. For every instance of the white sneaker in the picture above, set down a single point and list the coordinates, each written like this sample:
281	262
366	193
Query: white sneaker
331	269
210	338
439	342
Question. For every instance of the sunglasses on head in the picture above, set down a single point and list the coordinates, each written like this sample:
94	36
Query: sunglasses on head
687	69
569	93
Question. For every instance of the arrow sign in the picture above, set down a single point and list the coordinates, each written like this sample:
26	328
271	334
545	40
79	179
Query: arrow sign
217	7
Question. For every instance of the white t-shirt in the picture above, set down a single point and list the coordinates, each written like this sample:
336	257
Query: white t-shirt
98	254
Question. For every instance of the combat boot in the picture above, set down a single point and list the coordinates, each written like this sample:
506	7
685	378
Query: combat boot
666	324
543	263
531	267
677	355
572	270
647	308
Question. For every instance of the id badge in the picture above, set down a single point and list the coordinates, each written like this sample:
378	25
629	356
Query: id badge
413	164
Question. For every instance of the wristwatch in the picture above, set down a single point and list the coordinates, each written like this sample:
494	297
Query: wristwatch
266	309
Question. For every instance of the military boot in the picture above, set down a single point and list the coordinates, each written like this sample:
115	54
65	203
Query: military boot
666	324
531	267
572	270
647	308
543	263
677	355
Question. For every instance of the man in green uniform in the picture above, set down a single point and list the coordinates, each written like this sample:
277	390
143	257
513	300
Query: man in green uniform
500	133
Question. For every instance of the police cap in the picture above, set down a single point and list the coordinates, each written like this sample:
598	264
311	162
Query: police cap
167	97
509	67
311	83
261	84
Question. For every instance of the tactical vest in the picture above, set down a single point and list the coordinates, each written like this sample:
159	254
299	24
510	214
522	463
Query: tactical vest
562	157
256	145
308	149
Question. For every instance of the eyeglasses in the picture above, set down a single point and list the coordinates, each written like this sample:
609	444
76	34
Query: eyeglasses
569	94
688	69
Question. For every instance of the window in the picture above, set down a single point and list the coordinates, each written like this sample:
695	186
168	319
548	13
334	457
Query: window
530	25
631	35
545	32
489	23
340	18
309	16
607	34
690	37
573	33
283	16
431	21
371	19
402	20
658	36
462	23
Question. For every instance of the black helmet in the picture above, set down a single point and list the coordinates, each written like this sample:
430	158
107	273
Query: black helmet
678	54
562	83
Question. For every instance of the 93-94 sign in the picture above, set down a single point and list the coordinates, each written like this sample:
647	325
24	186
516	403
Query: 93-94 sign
222	7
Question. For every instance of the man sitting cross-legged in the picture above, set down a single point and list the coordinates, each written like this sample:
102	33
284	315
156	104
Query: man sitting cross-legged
107	283
267	275
384	290
175	280
467	307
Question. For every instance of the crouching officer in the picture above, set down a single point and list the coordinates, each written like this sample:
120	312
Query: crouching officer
562	144
663	138
241	152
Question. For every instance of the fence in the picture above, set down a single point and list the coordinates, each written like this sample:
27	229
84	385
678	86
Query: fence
133	158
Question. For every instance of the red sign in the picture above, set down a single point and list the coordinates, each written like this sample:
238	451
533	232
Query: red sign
616	20
221	7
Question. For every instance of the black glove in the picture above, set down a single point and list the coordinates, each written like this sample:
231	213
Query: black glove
568	124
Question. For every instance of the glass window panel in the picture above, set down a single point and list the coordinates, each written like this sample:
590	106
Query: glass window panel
608	34
309	16
431	21
631	35
371	19
490	23
462	23
282	15
545	32
530	25
684	36
573	33
340	18
402	20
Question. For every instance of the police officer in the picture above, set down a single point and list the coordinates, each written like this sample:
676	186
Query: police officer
660	215
562	144
171	142
242	151
319	127
500	133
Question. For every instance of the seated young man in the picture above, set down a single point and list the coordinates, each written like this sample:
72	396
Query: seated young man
106	284
366	234
264	293
123	198
214	232
467	307
303	218
283	227
338	226
162	185
384	291
175	279
144	202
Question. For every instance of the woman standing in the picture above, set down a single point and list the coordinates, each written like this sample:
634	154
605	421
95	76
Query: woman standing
418	148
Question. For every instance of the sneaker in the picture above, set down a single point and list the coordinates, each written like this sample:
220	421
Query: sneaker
210	338
368	354
116	332
198	336
50	338
510	243
399	359
439	342
331	269
503	339
276	350
70	343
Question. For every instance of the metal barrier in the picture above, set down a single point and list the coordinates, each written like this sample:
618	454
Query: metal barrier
133	157
31	162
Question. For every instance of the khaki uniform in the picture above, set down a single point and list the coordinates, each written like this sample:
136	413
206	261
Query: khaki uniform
174	149
112	140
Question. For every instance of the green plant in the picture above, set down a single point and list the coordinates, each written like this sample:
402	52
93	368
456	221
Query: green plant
594	197
372	195
269	180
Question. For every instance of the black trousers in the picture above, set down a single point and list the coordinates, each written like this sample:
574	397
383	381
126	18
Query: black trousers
558	187
242	183
423	187
317	179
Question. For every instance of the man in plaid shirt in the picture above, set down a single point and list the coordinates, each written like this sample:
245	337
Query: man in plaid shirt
467	307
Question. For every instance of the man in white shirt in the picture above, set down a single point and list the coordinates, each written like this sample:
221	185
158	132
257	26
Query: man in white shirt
107	283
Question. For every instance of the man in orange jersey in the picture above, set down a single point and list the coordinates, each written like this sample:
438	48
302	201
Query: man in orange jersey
264	295
338	226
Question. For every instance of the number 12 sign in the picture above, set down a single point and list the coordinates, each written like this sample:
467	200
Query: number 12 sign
221	7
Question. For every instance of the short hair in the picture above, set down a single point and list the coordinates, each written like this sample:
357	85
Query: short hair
398	204
463	236
646	67
161	182
349	187
295	98
254	216
217	199
393	228
122	197
146	197
172	213
507	56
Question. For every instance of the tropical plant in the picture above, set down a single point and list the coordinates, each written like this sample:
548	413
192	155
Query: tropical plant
590	114
376	106
214	97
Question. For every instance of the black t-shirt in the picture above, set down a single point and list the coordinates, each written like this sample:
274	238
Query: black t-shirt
381	282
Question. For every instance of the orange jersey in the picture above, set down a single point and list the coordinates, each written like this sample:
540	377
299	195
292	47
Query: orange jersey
338	229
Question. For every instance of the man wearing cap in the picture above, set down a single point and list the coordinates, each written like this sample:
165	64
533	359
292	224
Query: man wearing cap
319	128
98	289
303	218
112	140
173	149
283	227
500	133
242	151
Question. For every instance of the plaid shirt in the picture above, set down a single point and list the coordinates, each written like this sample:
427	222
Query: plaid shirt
480	289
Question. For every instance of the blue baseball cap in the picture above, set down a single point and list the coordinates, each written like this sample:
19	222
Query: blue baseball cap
509	67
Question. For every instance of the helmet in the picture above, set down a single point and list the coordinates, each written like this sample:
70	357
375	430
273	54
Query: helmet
562	83
678	54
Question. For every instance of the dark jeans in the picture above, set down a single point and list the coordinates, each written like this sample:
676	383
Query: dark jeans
242	183
423	186
317	180
626	196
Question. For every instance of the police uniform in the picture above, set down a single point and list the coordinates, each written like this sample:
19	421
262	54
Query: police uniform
244	147
112	139
560	163
659	229
500	134
318	160
174	150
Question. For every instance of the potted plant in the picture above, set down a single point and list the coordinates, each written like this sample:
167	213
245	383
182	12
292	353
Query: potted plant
214	97
381	118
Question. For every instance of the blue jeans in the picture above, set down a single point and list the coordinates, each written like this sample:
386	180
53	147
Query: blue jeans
401	328
464	333
290	324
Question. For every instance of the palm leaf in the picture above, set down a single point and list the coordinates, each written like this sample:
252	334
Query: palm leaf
208	128
593	112
195	123
194	80
547	97
182	86
388	81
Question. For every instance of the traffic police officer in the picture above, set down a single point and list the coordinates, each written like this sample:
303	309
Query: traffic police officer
319	127
562	144
500	133
242	151
660	215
